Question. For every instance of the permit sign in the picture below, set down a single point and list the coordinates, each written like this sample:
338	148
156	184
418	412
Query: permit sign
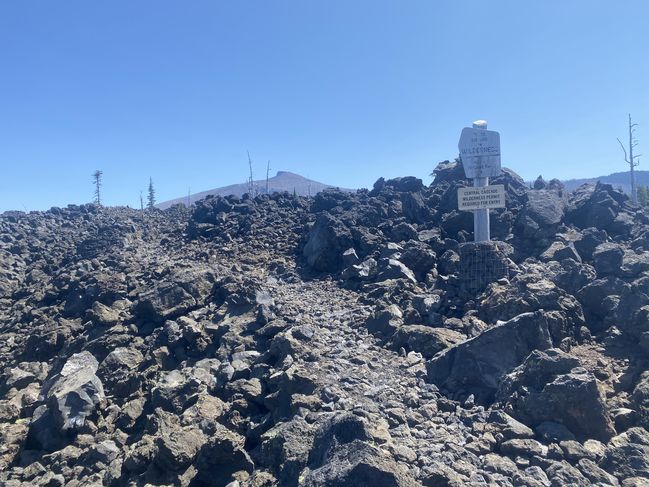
481	197
480	152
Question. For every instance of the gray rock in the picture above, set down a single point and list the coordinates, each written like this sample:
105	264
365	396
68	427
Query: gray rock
385	321
588	240
625	418
574	451
176	295
357	463
562	473
177	446
550	386
327	241
529	292
424	339
508	426
403	231
477	365
553	432
75	392
364	271
634	264
394	269
418	257
607	259
350	257
641	398
104	315
449	263
559	251
118	371
105	451
285	449
523	447
627	455
595	474
544	207
221	456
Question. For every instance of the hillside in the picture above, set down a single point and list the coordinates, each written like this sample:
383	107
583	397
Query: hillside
619	180
349	339
282	181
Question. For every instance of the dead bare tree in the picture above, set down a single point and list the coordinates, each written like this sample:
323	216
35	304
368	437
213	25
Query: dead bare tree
141	201
630	158
250	183
267	174
189	197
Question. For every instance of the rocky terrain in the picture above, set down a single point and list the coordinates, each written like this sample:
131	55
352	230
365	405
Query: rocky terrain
345	339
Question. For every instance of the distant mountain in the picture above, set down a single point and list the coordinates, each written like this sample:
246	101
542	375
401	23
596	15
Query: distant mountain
282	181
620	180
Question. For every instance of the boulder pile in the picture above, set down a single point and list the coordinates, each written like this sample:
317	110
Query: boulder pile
345	339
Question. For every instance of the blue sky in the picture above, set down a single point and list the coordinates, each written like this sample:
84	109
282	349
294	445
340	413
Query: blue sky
342	91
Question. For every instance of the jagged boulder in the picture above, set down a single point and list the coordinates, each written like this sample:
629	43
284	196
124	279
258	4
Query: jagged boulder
477	365
359	463
599	299
118	371
385	320
425	339
627	455
284	449
177	445
632	315
552	386
175	295
326	242
342	454
641	398
607	258
541	214
529	291
68	399
222	455
75	392
595	206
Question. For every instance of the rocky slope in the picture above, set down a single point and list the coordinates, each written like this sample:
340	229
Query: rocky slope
340	340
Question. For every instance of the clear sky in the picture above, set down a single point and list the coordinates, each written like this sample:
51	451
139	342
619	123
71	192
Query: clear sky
341	91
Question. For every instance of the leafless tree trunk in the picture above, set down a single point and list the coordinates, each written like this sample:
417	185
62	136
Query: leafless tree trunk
267	173
250	183
630	158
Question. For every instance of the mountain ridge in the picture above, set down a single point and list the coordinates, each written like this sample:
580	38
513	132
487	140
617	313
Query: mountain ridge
282	181
620	180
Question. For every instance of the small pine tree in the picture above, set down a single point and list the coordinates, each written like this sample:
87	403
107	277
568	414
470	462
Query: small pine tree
643	196
97	180
151	197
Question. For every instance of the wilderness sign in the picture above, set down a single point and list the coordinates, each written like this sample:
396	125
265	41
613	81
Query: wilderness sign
480	152
479	198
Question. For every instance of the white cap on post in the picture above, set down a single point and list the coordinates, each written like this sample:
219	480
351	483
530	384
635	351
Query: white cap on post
480	124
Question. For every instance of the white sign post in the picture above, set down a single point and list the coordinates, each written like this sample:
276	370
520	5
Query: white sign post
480	154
